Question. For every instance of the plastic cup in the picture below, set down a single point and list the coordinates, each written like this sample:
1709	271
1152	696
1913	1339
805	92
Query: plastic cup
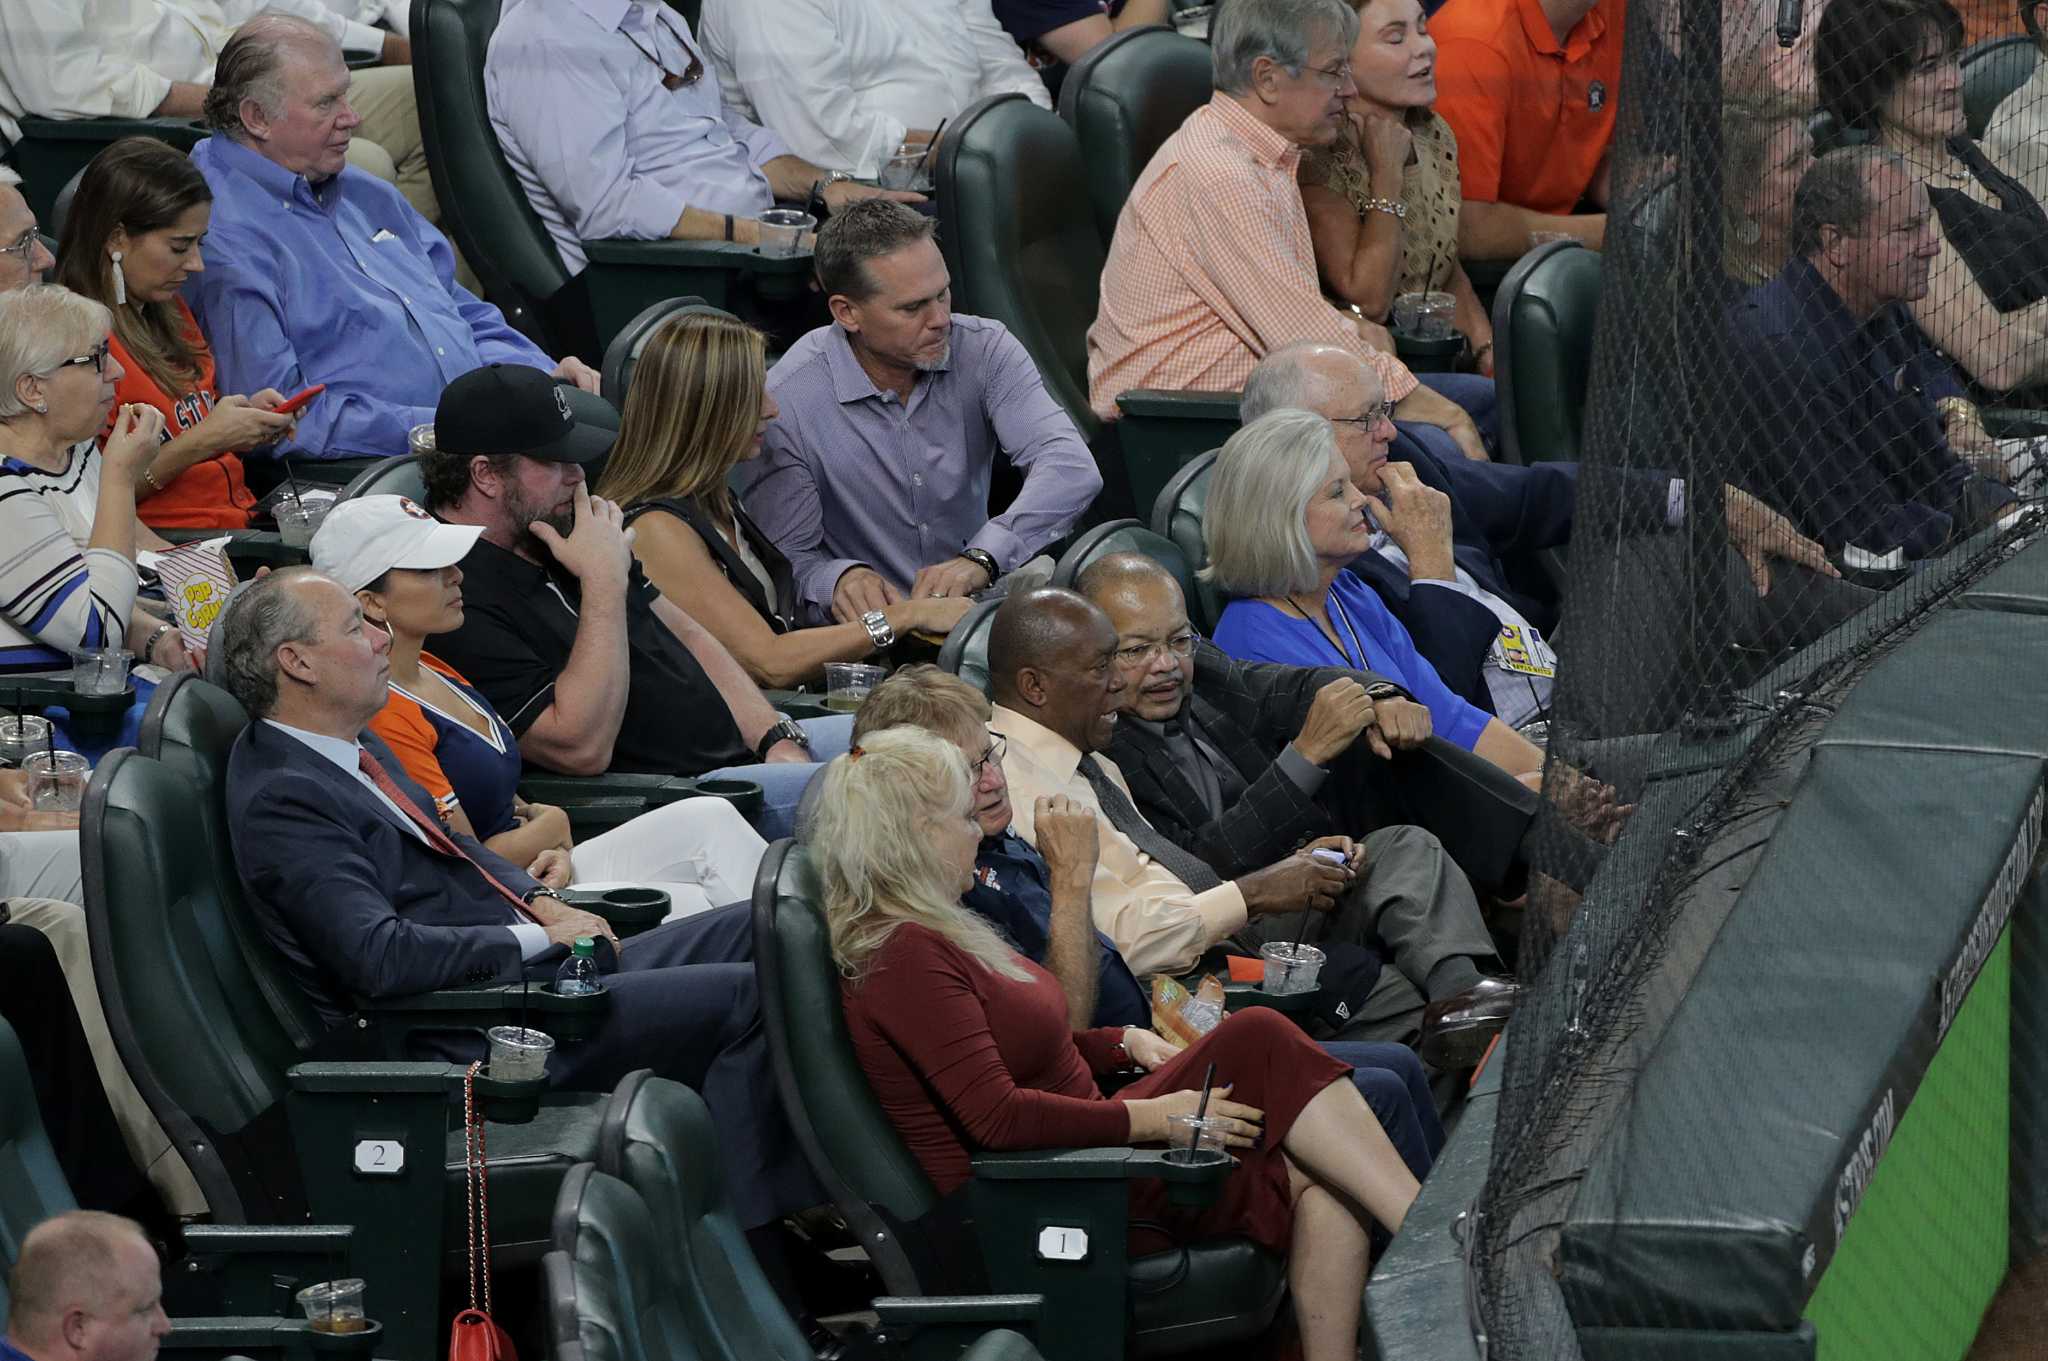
909	168
1425	316
1290	968
297	519
56	779
519	1054
1191	1140
1194	22
334	1306
100	670
21	734
782	232
848	683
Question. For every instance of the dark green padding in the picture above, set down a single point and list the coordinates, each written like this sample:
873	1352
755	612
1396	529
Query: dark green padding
1812	1021
2020	586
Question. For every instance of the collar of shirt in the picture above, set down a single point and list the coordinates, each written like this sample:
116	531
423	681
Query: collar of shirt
345	752
852	383
273	179
1055	754
1543	38
1266	146
609	15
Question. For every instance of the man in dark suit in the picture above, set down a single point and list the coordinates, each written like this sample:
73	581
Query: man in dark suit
1240	762
367	895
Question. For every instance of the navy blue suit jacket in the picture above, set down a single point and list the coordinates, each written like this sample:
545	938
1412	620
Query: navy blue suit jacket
359	906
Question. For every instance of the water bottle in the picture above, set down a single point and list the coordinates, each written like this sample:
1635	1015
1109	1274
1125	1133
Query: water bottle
578	976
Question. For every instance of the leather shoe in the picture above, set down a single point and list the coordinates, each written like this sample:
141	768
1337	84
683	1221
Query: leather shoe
1457	1029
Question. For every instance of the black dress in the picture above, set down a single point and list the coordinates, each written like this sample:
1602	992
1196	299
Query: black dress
2006	247
780	612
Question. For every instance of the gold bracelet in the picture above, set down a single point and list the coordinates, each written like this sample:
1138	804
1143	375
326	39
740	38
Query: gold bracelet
1959	412
149	476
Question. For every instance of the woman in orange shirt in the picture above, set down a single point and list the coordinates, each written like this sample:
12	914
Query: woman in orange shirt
130	240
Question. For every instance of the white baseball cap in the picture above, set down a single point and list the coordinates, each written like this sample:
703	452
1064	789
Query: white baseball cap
362	539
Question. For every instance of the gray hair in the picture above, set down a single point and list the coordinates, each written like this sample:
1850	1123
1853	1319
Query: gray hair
1282	30
1256	521
1286	378
251	67
241	655
1836	192
40	327
865	230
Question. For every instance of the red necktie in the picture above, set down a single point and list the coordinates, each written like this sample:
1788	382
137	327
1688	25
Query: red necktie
437	835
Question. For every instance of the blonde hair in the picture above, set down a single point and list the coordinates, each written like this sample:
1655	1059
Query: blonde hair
691	413
923	696
878	866
1255	524
40	327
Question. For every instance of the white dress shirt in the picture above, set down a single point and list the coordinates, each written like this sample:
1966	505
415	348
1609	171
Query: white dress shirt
119	58
395	15
2017	137
843	80
348	756
1520	684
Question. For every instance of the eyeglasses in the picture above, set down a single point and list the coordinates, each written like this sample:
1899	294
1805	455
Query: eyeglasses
1181	645
1336	77
1374	414
669	78
98	358
24	247
991	757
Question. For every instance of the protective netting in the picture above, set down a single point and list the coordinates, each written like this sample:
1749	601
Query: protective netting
1858	344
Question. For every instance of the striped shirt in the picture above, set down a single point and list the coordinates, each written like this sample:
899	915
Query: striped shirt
1212	267
55	593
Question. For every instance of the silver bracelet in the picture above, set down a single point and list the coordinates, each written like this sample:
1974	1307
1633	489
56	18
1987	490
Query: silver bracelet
1387	205
155	638
879	632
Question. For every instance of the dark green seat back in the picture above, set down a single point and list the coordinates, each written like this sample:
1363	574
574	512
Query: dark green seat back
1543	351
849	1142
664	1147
1015	228
966	651
1992	70
1122	536
483	209
391	477
1125	98
623	354
608	1295
1177	516
32	1185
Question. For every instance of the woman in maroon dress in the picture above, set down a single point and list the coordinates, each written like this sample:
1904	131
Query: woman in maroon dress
966	1045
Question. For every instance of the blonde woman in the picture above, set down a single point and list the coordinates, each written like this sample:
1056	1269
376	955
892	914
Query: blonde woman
967	1046
697	410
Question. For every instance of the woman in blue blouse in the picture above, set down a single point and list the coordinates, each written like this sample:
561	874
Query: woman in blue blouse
1283	522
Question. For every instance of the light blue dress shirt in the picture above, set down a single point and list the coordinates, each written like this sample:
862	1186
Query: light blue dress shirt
602	146
340	283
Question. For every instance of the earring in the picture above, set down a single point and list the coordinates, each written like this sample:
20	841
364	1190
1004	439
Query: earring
120	282
1749	232
42	408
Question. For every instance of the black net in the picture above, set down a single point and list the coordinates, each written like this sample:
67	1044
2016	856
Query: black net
1810	430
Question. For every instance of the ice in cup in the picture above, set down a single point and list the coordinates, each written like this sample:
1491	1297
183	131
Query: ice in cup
334	1306
848	683
1290	968
56	780
782	232
1425	316
100	670
519	1054
1189	1139
908	168
21	734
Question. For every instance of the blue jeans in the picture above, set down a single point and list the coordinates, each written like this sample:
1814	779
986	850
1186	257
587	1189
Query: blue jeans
1393	1082
1473	393
782	783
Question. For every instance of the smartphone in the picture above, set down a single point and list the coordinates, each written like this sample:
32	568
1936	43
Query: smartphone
291	404
1328	855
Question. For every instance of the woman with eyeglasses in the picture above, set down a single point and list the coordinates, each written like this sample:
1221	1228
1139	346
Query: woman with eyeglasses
68	523
131	240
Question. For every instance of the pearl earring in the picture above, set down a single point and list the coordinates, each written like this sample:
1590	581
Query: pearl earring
120	282
1749	232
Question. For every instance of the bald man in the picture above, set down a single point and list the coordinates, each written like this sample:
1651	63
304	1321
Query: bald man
1058	689
87	1287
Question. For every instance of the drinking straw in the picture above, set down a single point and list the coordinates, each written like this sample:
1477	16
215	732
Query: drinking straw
1202	1110
931	146
292	478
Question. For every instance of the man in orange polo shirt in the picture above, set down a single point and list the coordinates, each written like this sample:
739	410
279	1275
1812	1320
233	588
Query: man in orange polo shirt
1529	88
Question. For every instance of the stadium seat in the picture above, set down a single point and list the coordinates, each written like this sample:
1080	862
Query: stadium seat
51	152
390	477
623	354
486	213
192	991
1543	351
1022	249
1123	536
1177	516
1992	70
1123	99
1206	1296
965	653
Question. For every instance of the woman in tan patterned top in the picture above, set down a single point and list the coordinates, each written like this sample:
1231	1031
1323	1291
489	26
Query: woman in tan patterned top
1383	200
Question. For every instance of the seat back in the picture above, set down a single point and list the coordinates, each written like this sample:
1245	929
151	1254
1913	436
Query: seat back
966	651
187	1015
623	354
1123	99
663	1146
608	1296
1018	239
1123	536
850	1144
389	477
32	1185
1543	320
1992	70
1177	516
483	209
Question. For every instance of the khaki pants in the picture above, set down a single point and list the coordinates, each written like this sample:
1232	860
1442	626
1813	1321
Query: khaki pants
63	924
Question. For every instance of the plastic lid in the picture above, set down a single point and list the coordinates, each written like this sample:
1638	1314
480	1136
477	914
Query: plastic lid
584	945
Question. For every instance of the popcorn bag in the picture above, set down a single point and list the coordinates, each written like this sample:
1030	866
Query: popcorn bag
196	579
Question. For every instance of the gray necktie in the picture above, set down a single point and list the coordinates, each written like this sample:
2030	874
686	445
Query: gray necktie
1190	869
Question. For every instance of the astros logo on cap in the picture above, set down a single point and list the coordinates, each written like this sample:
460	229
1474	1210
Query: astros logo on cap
405	503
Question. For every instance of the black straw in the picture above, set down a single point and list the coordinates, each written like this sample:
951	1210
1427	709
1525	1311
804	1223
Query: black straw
290	477
1195	1132
931	146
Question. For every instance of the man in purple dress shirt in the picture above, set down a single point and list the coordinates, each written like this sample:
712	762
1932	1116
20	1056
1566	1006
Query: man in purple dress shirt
875	479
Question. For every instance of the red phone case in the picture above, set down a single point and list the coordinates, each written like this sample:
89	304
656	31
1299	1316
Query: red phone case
291	404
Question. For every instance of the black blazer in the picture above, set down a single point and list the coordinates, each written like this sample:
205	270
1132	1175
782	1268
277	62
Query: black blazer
779	612
359	906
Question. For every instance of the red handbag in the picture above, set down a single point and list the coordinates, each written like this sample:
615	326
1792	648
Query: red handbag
474	1336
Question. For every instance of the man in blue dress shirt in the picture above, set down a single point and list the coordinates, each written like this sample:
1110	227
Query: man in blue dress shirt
319	273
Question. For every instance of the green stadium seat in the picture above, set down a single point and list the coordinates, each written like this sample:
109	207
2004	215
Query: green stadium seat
965	653
1992	70
1543	351
1177	515
1208	1296
623	354
52	151
389	477
1123	99
1123	536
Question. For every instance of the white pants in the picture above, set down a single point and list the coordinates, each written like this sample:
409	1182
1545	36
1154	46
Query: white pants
700	852
41	865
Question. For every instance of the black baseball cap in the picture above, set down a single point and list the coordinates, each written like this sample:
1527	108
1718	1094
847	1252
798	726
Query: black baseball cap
513	409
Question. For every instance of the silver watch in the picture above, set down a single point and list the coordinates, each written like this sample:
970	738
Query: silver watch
878	629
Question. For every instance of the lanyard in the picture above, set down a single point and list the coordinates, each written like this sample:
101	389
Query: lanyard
1335	645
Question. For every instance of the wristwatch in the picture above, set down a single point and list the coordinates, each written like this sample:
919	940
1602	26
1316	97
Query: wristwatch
817	206
879	632
785	730
984	560
1380	690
